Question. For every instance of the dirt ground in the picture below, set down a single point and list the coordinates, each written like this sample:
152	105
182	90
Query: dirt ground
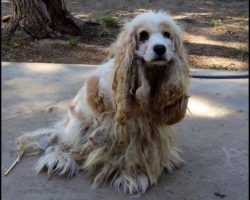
216	32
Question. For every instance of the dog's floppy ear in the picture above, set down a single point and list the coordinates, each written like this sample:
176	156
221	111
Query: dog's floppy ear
176	112
179	47
124	74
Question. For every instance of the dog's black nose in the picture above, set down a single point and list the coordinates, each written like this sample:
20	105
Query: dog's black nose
159	49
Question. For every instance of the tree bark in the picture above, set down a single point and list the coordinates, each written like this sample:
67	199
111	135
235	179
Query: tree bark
43	18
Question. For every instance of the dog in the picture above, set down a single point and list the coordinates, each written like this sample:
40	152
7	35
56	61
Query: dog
119	127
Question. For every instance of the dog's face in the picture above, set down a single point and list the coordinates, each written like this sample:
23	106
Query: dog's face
157	37
154	43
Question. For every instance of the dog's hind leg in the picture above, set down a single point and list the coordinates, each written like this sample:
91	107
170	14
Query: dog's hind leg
57	161
55	145
58	143
57	157
33	143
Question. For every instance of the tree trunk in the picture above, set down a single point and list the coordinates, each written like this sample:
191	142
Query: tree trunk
43	18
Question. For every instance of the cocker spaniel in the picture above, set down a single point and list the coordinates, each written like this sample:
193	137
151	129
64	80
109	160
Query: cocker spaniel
119	126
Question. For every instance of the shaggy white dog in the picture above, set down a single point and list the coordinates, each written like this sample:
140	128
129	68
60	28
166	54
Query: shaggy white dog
119	126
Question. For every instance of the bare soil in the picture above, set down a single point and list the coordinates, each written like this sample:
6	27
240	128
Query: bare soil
216	32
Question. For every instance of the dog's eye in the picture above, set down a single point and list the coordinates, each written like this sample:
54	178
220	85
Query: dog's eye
144	36
166	34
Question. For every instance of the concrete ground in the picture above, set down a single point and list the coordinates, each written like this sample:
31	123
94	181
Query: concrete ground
214	139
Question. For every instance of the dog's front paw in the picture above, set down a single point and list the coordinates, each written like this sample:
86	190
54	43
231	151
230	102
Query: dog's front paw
174	160
131	185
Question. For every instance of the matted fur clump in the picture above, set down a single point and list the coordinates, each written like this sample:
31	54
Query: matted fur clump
119	126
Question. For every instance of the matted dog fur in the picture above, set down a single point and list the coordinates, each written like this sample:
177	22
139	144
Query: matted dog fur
119	126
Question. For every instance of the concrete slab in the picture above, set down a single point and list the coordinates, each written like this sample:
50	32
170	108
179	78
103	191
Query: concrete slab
214	139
